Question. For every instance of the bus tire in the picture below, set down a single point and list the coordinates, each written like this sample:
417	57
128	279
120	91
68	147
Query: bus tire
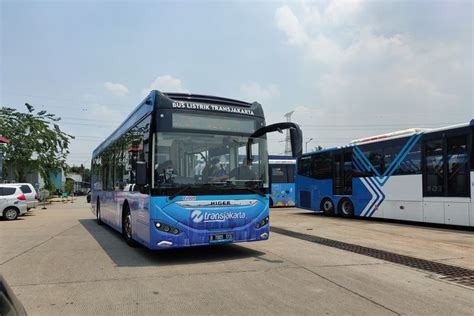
98	213
127	226
346	208
327	207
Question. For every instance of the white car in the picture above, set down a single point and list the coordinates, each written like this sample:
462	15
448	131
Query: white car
12	202
30	193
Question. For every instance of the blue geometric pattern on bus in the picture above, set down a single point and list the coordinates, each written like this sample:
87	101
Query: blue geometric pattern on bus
368	167
374	184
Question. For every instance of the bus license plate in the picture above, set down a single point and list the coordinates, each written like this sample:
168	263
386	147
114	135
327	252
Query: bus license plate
216	238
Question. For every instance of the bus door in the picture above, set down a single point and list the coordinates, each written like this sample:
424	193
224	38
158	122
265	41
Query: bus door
342	173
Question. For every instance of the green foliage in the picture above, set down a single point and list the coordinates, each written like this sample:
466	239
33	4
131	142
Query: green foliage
317	148
83	171
36	141
69	186
50	187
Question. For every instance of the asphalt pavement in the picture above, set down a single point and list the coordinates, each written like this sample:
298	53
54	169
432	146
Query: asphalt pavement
60	262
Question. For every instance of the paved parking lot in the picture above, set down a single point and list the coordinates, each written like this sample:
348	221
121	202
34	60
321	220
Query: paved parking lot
58	261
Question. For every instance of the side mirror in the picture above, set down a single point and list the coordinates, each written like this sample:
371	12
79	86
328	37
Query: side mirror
141	173
296	137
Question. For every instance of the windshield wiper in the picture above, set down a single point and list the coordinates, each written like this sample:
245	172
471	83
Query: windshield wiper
180	191
229	184
196	185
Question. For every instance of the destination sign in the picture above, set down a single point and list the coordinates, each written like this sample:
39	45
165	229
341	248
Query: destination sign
210	107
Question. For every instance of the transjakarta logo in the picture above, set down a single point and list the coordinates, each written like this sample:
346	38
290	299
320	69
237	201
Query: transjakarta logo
198	216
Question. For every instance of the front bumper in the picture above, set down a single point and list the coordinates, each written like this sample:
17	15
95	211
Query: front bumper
192	237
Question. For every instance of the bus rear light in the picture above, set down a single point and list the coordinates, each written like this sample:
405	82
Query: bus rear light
167	228
262	223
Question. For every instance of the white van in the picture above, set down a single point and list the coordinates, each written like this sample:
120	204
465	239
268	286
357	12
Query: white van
12	202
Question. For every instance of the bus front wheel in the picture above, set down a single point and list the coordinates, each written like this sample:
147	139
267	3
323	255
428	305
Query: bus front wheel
346	208
327	207
127	227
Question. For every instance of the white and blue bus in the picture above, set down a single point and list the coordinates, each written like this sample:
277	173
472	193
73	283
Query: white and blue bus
282	180
415	175
172	174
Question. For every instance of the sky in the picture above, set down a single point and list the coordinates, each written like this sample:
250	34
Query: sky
348	69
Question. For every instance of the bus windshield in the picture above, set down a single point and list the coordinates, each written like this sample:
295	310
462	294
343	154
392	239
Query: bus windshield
185	159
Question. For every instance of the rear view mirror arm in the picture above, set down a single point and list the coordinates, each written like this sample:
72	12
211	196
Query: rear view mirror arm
295	134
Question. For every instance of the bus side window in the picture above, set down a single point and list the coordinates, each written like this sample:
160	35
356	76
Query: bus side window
278	174
472	148
458	171
434	168
291	173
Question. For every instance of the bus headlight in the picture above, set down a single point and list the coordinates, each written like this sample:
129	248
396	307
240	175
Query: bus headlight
167	228
262	223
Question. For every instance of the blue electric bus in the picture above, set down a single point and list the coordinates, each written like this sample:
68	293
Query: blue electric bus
422	175
282	180
172	174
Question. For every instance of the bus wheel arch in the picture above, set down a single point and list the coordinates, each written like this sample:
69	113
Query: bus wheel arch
327	206
346	208
127	231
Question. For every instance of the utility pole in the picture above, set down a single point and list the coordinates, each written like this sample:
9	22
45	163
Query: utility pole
306	144
287	137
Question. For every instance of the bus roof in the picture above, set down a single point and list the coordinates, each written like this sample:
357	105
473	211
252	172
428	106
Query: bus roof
205	98
393	135
151	101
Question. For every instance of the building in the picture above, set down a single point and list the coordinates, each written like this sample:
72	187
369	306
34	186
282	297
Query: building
56	178
79	185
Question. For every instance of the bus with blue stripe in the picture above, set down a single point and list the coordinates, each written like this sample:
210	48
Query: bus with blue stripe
282	180
421	175
186	170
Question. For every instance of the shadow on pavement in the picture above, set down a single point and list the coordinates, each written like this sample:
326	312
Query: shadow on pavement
421	225
124	256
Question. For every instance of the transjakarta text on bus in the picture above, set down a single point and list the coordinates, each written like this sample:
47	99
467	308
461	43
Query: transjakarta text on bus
185	170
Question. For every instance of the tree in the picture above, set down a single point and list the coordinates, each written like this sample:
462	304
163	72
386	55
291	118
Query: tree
37	142
69	186
83	171
318	148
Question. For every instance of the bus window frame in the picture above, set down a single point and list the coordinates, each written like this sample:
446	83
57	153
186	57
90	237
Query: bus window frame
444	136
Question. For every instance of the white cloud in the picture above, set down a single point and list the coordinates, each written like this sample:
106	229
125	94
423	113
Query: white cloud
117	89
166	83
289	23
374	72
256	92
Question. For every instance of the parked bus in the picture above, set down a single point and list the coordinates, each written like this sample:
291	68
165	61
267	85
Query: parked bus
414	175
170	175
282	180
